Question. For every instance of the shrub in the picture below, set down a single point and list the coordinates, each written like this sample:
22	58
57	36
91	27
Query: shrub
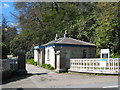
47	66
115	55
31	61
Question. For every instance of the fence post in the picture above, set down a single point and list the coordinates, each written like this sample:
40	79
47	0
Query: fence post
93	65
21	63
113	65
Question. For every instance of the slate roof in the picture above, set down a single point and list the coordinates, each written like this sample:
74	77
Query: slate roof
71	41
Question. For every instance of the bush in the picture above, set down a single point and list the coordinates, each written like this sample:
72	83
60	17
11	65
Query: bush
31	61
47	66
116	55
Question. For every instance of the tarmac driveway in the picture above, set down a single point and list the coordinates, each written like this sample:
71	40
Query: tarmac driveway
41	78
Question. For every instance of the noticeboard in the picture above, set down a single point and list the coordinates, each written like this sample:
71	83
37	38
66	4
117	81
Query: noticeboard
104	57
104	53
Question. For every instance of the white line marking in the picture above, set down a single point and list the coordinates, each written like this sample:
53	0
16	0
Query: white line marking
115	86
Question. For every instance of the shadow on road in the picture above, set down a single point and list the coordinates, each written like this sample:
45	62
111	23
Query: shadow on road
19	77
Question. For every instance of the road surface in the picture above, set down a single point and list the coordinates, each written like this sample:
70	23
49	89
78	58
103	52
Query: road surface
42	78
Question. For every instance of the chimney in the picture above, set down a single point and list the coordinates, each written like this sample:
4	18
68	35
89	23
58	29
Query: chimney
56	37
65	35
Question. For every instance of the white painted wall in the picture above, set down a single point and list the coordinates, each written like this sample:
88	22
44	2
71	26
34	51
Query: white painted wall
51	59
36	55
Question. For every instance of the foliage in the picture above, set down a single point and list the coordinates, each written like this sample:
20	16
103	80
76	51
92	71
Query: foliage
29	54
97	23
4	53
47	66
8	34
116	55
31	61
107	29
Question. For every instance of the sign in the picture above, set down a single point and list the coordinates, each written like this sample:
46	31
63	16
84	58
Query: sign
104	57
105	53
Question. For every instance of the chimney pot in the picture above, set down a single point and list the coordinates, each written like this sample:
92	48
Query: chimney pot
56	36
65	35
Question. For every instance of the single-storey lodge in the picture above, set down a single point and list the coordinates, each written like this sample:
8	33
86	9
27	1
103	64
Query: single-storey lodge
58	52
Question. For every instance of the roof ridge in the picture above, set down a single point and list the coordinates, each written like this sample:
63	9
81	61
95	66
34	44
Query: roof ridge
82	41
57	40
61	39
68	40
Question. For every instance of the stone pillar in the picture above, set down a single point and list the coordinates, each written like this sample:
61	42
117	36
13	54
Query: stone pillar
61	61
21	63
36	53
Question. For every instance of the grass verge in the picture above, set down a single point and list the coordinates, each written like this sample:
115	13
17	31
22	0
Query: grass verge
31	61
47	66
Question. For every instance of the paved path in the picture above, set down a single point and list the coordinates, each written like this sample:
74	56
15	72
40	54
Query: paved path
42	78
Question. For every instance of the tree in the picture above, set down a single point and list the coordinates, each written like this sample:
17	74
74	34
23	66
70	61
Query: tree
91	22
8	34
107	27
3	48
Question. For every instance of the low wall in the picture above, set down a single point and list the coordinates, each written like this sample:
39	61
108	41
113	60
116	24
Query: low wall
5	70
6	75
4	65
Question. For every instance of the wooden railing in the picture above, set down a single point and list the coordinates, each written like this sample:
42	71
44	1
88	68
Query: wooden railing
4	64
95	65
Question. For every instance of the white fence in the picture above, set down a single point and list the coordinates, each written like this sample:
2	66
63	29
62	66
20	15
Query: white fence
95	65
4	64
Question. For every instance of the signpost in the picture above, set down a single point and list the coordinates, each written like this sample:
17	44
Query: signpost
104	56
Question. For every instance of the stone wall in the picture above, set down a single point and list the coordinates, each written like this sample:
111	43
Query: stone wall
76	52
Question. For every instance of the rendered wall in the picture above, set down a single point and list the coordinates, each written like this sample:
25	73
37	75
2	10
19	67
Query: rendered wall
77	52
51	59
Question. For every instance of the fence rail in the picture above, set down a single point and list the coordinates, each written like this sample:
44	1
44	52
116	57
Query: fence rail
112	65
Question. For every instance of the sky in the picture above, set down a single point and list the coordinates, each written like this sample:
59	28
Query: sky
7	8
